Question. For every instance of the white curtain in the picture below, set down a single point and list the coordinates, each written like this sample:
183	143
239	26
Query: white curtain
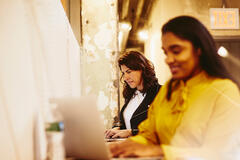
39	59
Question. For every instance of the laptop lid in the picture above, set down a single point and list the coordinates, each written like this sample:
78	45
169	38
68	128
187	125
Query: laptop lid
83	128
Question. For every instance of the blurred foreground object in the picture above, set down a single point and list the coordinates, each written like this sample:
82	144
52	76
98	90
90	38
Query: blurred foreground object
33	34
55	134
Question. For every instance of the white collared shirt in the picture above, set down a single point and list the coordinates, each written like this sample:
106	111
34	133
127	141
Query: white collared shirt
133	104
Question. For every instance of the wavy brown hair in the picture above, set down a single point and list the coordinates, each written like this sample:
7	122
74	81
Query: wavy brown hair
135	60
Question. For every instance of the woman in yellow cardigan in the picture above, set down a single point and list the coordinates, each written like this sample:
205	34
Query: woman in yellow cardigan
196	114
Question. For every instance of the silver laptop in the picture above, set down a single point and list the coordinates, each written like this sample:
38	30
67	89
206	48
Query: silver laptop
83	128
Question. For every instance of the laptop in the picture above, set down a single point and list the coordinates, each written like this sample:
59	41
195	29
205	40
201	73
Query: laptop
83	128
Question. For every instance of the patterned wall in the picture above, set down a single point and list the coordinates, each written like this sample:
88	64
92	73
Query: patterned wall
99	46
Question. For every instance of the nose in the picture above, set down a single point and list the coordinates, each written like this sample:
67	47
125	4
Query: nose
169	59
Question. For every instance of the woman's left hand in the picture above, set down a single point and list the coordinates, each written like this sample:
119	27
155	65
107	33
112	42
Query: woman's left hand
129	148
124	133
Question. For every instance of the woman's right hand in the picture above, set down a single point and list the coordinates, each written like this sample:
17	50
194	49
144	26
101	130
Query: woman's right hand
110	132
129	148
117	133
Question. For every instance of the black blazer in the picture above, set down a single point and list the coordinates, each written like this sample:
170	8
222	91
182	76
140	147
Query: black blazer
141	112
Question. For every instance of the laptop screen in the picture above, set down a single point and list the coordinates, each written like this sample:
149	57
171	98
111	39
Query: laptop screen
83	128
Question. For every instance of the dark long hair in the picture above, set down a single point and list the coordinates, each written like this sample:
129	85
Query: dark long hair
135	60
191	29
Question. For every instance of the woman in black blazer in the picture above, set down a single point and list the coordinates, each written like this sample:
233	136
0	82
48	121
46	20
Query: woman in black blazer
140	88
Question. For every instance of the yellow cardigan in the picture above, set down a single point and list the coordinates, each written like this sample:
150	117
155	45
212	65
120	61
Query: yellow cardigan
202	118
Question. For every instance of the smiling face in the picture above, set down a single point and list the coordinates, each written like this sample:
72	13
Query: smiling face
181	57
132	77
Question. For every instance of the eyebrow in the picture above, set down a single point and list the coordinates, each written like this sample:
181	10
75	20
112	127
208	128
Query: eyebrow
126	70
174	46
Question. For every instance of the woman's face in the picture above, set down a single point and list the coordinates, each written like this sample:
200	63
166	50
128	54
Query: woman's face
181	57
132	77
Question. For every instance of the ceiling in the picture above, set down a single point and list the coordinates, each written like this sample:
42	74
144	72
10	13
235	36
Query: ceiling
137	13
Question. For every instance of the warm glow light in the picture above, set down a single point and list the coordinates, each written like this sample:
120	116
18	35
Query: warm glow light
120	38
143	35
223	51
125	26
